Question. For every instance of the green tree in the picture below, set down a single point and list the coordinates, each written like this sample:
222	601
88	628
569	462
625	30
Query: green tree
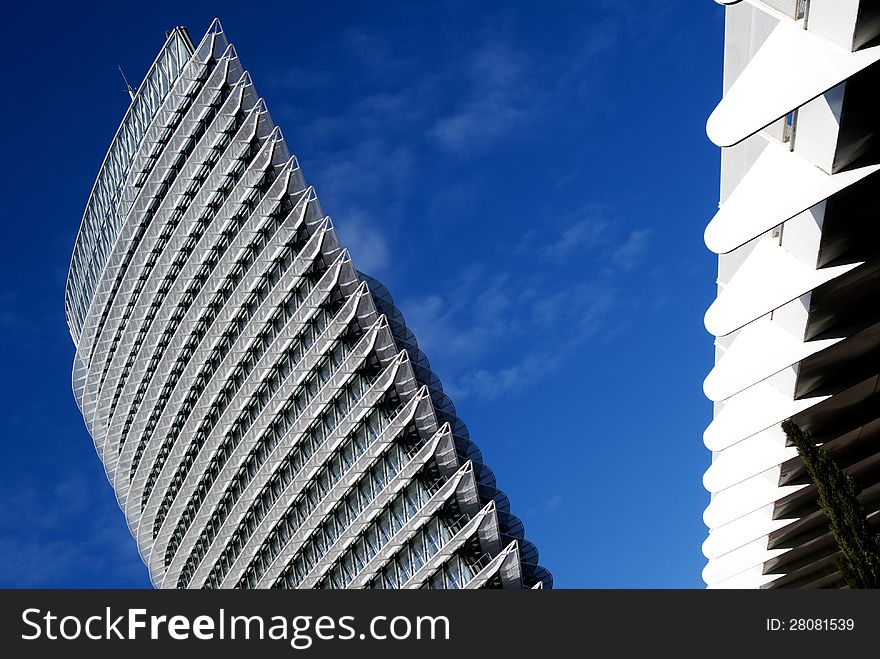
859	557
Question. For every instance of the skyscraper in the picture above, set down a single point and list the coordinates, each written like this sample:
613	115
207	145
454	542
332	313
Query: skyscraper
262	411
796	316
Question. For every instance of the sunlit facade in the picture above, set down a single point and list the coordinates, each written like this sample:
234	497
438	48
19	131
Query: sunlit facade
796	318
262	411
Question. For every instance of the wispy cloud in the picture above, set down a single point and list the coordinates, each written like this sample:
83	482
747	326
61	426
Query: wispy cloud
363	172
492	383
371	174
561	325
551	504
632	252
582	234
364	240
505	331
497	102
411	117
469	317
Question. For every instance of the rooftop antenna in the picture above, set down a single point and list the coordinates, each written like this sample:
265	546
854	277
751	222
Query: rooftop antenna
128	87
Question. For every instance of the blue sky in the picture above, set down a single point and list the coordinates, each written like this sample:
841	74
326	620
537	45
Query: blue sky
530	180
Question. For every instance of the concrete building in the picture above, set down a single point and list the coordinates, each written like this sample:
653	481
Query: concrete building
796	319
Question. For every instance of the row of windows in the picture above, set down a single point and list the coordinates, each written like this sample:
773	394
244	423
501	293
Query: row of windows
307	443
358	497
196	282
210	310
92	243
418	550
227	339
293	355
101	222
197	230
202	224
149	159
271	277
170	171
304	393
456	572
171	174
329	473
167	175
367	544
234	381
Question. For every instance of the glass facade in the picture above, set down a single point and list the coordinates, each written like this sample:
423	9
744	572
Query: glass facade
263	412
105	208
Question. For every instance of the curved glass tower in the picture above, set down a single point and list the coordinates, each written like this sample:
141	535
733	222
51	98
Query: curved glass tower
262	411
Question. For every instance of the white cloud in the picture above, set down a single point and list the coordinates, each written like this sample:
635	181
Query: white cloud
582	234
494	332
498	101
467	321
476	125
631	253
367	170
489	384
351	183
526	324
367	245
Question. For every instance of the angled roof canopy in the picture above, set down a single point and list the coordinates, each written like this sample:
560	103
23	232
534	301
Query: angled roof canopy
769	277
751	411
760	350
792	67
777	187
